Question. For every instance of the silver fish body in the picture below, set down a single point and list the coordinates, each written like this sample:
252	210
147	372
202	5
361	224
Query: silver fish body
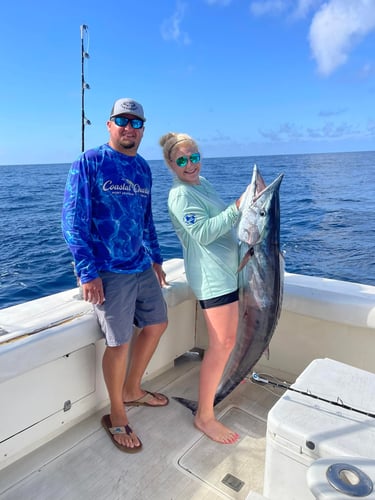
261	279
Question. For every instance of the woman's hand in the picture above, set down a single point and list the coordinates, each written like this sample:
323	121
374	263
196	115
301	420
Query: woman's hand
238	202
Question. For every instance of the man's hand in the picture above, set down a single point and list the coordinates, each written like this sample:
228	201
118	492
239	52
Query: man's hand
160	274
93	291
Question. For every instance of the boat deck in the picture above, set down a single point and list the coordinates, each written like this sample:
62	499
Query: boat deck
177	460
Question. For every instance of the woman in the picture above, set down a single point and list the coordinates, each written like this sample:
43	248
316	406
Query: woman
204	226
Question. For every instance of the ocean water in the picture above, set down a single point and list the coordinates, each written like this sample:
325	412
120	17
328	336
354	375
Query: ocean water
327	218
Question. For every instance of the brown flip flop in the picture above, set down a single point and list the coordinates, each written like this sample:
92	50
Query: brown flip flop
123	429
145	400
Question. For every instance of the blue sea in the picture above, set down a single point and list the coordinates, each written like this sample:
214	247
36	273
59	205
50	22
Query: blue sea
327	218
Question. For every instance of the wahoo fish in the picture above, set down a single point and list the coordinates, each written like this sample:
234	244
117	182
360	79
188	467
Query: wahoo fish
261	279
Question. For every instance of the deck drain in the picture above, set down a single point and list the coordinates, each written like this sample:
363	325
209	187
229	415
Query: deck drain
232	482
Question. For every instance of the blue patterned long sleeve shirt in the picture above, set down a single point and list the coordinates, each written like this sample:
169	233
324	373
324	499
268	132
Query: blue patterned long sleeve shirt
107	217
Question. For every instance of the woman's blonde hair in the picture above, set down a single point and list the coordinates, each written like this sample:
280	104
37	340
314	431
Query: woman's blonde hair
169	141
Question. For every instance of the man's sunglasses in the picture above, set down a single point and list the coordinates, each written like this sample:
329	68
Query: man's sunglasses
122	121
182	161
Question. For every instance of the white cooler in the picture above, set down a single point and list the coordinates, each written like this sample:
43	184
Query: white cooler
302	429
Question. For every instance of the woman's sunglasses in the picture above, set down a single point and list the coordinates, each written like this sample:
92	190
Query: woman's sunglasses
182	161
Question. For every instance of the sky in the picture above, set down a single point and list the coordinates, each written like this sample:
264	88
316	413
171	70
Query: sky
244	78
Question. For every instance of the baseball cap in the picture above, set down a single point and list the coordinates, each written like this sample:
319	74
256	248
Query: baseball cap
127	105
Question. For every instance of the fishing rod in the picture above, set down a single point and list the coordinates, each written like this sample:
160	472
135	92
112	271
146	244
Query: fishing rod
255	377
84	85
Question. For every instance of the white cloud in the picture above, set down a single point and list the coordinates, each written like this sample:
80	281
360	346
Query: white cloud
286	131
171	30
299	8
371	128
262	7
366	71
304	6
332	131
336	28
292	132
224	3
325	113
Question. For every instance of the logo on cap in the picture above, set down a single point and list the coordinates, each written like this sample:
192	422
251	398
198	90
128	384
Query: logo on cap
131	106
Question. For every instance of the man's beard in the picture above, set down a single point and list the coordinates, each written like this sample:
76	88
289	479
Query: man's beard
128	144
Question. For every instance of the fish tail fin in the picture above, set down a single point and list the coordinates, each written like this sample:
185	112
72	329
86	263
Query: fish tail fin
188	403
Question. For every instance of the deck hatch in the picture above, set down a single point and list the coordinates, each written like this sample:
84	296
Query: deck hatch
231	469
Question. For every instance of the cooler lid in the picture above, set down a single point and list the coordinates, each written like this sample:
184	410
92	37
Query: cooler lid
320	428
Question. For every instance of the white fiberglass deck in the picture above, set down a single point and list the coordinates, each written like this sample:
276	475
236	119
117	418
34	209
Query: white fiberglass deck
177	461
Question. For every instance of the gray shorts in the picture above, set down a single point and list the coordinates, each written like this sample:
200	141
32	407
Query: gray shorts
130	299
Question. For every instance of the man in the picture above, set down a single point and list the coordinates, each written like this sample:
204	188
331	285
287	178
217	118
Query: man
108	225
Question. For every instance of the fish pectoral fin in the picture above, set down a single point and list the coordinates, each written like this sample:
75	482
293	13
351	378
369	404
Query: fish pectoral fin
188	403
246	259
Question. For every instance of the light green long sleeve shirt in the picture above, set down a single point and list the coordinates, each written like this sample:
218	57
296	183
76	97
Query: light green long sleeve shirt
204	226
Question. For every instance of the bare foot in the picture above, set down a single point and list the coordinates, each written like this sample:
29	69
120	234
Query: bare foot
216	431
